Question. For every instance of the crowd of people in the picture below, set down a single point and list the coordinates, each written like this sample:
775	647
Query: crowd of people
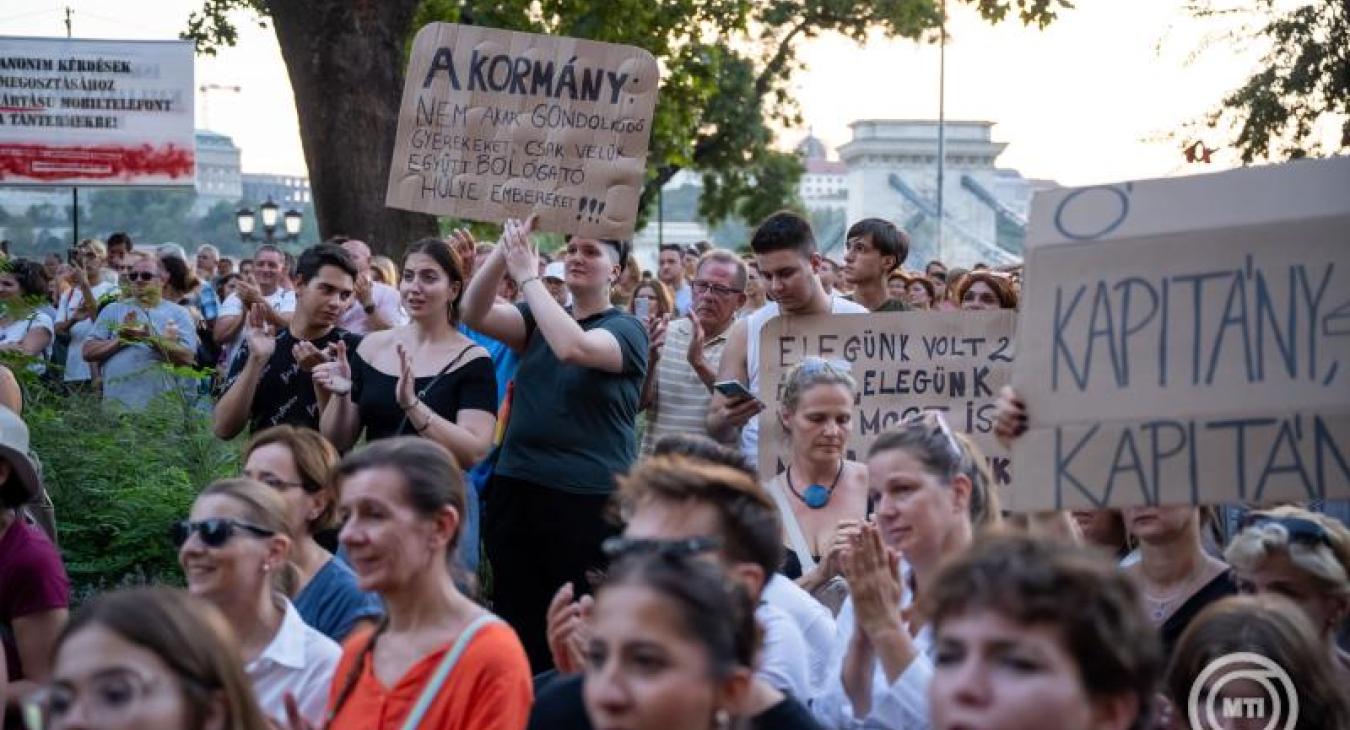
483	488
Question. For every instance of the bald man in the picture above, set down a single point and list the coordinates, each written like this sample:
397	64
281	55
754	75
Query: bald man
376	306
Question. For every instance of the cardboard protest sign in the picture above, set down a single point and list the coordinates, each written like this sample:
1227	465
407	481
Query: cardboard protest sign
904	363
1188	341
96	112
497	124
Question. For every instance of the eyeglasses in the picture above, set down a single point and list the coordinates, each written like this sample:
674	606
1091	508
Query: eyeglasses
109	694
1299	529
214	532
141	276
620	546
703	287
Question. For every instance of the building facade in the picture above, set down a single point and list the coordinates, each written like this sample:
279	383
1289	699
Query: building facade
218	175
287	191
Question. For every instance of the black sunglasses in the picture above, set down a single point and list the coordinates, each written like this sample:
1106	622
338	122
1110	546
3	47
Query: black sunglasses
214	532
616	547
141	276
1299	529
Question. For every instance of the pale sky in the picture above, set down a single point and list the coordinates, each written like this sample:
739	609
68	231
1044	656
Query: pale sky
1088	100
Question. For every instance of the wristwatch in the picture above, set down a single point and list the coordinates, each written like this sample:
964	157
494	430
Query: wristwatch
369	308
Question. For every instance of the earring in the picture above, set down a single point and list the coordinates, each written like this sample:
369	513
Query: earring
722	718
267	567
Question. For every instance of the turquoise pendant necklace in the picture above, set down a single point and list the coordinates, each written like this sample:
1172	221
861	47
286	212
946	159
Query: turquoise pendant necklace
816	496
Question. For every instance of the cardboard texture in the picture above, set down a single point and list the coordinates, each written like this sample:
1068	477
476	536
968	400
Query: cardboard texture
1188	341
904	363
498	124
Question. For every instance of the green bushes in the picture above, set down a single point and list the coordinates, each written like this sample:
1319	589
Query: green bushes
120	479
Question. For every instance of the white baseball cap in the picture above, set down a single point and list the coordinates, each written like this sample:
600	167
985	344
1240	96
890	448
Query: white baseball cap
556	270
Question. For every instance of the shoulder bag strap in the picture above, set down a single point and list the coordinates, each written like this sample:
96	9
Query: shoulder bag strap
443	670
794	530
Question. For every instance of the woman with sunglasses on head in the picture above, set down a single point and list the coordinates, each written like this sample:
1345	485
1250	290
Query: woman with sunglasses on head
673	647
1304	557
930	491
298	463
424	379
822	496
234	548
147	659
1177	576
575	404
1271	628
437	659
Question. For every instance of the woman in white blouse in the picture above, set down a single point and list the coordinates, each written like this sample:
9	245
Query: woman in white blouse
23	327
927	485
234	549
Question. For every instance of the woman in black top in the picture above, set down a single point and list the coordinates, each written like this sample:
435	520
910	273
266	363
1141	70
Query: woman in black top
424	378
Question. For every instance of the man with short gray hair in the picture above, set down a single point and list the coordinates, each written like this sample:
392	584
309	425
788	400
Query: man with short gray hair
375	306
685	354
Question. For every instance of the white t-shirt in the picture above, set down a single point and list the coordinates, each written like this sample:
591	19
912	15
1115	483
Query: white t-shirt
387	302
784	658
299	661
813	620
77	368
15	331
281	300
753	324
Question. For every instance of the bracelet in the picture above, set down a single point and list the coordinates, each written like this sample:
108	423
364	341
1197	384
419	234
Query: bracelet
527	280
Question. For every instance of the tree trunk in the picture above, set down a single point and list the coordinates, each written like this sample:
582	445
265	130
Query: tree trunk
345	60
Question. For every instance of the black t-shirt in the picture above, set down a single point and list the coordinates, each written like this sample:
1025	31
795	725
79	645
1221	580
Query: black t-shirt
1222	586
285	392
470	385
572	427
558	705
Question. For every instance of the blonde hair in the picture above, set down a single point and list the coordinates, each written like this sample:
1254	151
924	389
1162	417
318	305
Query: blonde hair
808	374
1327	564
264	508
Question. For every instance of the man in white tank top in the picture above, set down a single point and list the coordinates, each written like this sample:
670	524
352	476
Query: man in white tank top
785	251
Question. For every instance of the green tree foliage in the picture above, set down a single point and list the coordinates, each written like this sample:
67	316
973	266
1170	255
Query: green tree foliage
727	66
1303	81
118	480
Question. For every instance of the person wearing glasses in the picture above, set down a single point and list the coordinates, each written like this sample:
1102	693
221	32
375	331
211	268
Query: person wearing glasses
90	283
134	338
929	491
874	248
673	646
692	507
146	659
234	549
686	354
298	464
785	249
437	659
1305	557
822	495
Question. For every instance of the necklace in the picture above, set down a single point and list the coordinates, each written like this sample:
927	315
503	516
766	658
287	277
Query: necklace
1160	607
816	496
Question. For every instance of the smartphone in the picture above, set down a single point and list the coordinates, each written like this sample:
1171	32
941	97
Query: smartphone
642	308
733	389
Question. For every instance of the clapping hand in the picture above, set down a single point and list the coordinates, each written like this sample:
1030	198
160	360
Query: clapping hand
522	258
361	288
248	292
307	356
873	574
132	330
656	334
569	629
334	374
1011	421
262	338
406	388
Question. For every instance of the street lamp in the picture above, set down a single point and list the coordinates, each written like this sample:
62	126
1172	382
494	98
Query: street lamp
269	212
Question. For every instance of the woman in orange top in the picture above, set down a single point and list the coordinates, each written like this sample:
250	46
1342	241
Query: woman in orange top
401	499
